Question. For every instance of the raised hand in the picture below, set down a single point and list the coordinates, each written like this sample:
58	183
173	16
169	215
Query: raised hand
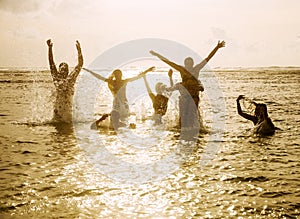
49	43
150	69
158	56
240	97
221	44
145	72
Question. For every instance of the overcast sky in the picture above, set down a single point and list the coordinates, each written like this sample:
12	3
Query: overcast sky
257	33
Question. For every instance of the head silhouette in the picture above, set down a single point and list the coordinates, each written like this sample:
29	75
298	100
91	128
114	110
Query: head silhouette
188	63
63	70
160	88
118	74
261	110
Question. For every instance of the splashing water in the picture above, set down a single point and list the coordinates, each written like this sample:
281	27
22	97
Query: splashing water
43	97
248	105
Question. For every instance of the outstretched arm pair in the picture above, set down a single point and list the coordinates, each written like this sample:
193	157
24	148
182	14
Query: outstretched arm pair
127	80
53	68
198	67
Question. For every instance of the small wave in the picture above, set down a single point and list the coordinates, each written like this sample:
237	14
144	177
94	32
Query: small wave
17	70
27	152
75	193
5	81
248	179
274	194
271	102
12	207
278	120
25	81
26	142
40	123
46	188
18	174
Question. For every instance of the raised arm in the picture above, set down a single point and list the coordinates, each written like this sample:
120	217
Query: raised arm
198	67
172	64
53	69
140	75
241	113
96	75
170	74
148	87
78	67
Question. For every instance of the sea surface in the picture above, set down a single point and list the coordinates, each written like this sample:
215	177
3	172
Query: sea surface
53	170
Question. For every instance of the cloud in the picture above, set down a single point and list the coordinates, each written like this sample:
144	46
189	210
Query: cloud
16	6
57	8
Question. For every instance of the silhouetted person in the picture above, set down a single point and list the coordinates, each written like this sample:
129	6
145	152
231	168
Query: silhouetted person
117	87
160	100
263	124
64	83
189	87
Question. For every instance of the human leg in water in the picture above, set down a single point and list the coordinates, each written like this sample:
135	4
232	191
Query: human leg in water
115	120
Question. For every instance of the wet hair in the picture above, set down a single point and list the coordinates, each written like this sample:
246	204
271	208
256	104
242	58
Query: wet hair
261	109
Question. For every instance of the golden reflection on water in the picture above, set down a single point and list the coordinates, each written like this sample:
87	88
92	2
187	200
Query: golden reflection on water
45	173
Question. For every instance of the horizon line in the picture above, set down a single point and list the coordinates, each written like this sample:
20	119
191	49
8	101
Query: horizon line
217	67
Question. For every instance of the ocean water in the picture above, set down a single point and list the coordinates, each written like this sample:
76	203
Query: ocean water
50	170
